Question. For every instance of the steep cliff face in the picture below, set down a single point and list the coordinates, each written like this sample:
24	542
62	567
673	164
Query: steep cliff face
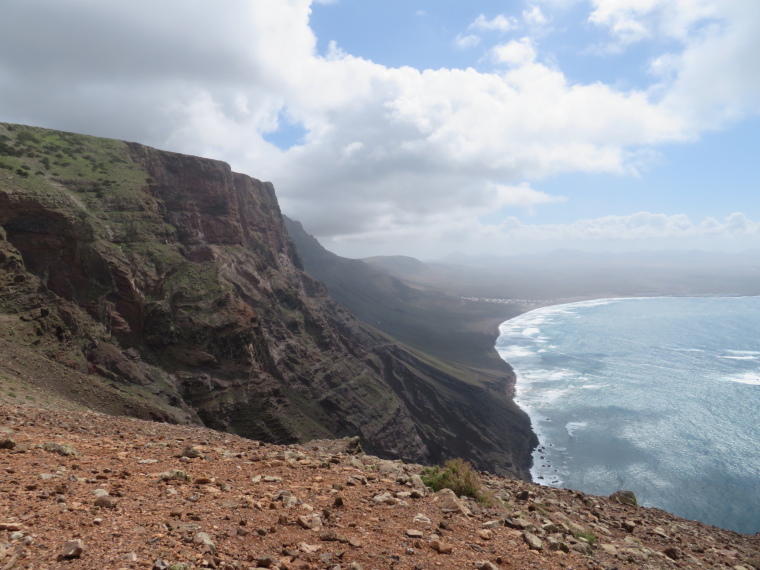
172	279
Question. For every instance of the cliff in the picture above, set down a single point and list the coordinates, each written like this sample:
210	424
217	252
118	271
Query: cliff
165	286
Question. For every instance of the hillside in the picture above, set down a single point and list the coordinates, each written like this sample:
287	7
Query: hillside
89	491
142	282
458	331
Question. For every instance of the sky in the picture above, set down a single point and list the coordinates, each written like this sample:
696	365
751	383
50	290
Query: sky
426	127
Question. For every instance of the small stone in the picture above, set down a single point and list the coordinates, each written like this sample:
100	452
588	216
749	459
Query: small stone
609	549
10	526
550	527
17	535
417	482
7	443
491	524
309	548
265	562
625	498
106	502
271	479
440	547
339	501
485	534
332	536
533	542
304	522
556	545
583	547
205	540
175	475
628	525
65	449
673	553
412	533
72	549
485	565
450	503
191	452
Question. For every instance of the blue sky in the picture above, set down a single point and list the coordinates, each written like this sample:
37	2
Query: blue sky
427	126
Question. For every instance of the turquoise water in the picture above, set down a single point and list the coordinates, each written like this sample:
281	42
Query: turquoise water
660	396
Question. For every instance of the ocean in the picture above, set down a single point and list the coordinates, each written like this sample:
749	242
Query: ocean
660	396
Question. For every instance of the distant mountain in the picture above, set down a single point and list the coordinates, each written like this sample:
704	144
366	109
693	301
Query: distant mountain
450	333
142	282
432	321
566	275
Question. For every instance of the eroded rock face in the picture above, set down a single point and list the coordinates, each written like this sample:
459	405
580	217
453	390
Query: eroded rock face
173	276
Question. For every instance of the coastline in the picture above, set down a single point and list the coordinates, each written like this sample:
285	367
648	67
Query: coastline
568	409
538	452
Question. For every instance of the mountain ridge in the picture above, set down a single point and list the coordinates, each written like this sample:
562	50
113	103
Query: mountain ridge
171	282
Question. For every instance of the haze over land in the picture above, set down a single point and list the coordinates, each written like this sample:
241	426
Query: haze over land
424	128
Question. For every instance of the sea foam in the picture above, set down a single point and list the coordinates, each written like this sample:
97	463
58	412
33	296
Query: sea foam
655	395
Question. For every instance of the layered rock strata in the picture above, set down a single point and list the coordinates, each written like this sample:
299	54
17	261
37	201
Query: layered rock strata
168	282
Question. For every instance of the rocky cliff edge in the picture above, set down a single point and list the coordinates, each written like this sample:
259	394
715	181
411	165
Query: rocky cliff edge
164	286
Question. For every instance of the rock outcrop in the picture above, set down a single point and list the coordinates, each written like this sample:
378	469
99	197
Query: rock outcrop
166	287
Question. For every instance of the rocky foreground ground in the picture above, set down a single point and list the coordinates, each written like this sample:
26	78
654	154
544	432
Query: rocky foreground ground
86	490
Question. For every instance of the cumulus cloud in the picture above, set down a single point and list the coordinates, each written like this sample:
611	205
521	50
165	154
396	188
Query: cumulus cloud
499	23
534	16
386	151
714	76
517	52
467	41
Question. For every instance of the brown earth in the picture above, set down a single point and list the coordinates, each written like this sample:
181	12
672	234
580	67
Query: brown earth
87	490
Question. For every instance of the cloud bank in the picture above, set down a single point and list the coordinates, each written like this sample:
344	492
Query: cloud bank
391	154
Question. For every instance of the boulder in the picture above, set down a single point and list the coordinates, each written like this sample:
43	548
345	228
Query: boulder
625	498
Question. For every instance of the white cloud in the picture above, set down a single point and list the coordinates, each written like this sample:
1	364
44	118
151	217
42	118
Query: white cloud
466	42
499	23
517	52
533	16
636	20
715	76
387	151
